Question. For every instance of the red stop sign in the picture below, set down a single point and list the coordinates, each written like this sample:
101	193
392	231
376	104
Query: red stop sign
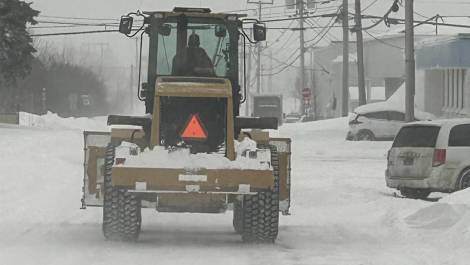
306	93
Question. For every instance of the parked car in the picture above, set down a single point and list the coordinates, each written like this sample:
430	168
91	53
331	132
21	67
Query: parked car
430	156
378	121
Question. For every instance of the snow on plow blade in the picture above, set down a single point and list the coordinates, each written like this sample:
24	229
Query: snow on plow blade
172	180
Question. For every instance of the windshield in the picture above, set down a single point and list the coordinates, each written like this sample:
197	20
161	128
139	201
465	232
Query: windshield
417	136
197	49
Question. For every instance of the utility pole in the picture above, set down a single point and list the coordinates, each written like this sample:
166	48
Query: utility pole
302	45
314	92
258	67
361	84
410	61
345	90
260	4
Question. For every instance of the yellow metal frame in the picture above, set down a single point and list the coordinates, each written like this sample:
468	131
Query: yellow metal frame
167	179
220	89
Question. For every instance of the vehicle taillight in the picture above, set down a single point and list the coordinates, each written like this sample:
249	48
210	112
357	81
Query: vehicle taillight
439	157
389	162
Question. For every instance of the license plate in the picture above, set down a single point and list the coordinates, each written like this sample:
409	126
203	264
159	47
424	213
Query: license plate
408	161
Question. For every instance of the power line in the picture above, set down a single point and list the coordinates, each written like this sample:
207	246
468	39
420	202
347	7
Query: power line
80	18
327	29
279	6
420	22
76	23
282	33
421	15
384	42
287	41
382	18
297	57
297	18
54	27
369	6
73	33
331	36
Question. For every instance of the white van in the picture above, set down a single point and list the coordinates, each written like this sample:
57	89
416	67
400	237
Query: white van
430	156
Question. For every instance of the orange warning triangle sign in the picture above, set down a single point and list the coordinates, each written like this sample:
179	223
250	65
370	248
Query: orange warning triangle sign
194	129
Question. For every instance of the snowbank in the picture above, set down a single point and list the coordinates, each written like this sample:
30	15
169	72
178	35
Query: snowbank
52	120
446	213
342	212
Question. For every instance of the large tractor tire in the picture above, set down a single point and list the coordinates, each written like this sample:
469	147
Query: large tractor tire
238	217
260	212
121	209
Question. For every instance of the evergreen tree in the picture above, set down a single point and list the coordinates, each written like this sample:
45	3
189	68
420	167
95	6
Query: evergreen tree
16	49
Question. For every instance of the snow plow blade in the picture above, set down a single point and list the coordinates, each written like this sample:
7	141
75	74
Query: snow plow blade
171	180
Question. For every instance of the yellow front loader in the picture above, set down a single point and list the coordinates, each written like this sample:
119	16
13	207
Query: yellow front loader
191	152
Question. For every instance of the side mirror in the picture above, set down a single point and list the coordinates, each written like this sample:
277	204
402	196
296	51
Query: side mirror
164	29
125	26
259	32
220	31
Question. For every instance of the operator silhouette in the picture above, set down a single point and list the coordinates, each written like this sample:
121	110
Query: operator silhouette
193	61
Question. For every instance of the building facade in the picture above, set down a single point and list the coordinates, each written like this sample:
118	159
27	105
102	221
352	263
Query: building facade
384	64
444	65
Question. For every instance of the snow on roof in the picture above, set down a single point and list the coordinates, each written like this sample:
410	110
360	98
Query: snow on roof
395	103
433	40
443	122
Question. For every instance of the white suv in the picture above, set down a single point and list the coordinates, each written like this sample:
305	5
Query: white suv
432	156
370	124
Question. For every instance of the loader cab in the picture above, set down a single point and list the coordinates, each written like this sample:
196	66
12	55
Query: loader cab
173	51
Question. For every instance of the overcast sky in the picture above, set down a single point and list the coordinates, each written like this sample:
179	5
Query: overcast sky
122	50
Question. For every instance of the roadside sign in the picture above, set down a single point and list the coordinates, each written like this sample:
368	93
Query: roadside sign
306	93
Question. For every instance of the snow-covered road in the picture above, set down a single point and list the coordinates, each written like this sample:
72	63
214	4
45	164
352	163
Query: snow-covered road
342	212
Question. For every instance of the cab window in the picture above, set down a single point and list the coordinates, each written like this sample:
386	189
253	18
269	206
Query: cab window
194	48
